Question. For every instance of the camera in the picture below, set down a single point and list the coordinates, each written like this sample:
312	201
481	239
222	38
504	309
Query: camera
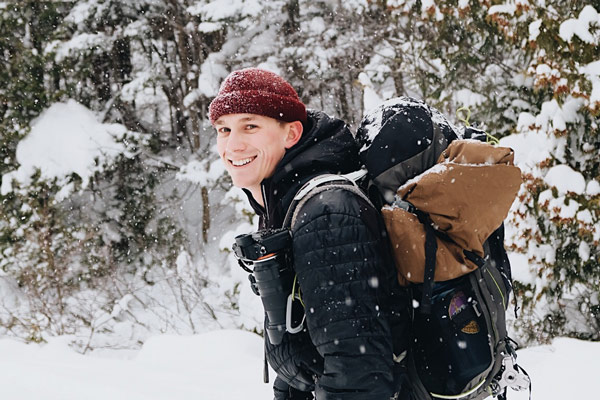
266	256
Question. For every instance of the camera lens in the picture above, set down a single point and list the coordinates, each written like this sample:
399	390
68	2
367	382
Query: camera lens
274	286
244	240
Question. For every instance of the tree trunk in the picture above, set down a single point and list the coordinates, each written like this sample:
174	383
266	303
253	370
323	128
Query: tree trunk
205	214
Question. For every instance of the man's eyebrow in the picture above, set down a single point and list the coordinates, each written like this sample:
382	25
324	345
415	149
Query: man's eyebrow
245	119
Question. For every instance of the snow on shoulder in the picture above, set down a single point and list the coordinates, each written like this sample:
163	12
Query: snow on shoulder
65	139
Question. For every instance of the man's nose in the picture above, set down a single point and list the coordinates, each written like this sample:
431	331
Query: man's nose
236	141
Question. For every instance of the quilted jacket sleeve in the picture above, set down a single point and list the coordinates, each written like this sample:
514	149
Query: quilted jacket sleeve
338	257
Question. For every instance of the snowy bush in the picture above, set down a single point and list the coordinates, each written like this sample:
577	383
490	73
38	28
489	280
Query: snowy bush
555	224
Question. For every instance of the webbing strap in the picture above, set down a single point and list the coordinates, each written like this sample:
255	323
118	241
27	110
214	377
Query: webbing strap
474	258
521	370
318	184
351	177
430	259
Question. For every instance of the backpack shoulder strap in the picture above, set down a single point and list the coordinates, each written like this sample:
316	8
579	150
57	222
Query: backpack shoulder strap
319	184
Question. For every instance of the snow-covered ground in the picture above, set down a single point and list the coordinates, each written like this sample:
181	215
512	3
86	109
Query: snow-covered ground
215	365
228	365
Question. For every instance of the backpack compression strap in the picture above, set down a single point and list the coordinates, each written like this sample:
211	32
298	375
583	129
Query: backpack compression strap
430	255
430	260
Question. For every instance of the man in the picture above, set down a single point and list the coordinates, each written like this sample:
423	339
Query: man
271	147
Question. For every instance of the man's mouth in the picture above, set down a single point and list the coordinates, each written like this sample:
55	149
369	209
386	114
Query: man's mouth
242	162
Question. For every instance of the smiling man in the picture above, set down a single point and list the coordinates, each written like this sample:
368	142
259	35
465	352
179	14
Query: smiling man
252	145
271	146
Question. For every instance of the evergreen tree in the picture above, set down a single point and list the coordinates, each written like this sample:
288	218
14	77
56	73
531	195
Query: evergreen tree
556	219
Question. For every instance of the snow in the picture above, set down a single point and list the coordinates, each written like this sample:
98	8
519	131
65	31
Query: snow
549	111
370	97
82	42
592	72
66	138
584	251
525	121
534	29
558	123
427	4
585	217
519	264
467	98
224	9
502	9
533	141
239	199
593	188
228	364
563	208
581	26
375	118
318	25
142	91
545	197
207	27
79	13
376	80
216	365
531	147
560	206
211	73
566	369
565	179
201	172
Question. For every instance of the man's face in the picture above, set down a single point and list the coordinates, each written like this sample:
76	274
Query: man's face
251	146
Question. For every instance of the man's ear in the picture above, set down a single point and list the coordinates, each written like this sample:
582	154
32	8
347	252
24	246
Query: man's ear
294	134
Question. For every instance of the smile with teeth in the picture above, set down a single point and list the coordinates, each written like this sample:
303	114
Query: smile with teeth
241	163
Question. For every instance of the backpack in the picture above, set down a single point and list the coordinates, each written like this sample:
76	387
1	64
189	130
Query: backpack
438	189
453	262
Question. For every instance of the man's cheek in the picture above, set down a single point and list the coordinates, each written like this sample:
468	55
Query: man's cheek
221	153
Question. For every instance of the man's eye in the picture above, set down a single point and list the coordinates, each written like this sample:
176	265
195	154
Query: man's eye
222	131
250	126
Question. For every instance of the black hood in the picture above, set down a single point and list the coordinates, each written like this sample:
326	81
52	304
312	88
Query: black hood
326	146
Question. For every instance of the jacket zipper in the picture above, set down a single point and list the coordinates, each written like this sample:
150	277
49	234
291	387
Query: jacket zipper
266	214
264	198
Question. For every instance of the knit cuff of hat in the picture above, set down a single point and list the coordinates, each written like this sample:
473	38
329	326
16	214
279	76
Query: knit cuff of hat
259	102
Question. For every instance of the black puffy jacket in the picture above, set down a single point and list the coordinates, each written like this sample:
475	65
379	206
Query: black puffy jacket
355	310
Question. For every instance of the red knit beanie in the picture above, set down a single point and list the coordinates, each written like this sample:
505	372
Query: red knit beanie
256	91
